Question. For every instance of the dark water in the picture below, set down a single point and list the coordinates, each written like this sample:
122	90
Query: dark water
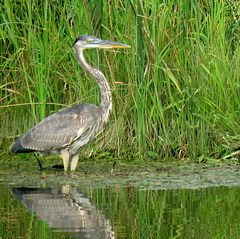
118	212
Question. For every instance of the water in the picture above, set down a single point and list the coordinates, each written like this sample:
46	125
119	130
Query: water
69	211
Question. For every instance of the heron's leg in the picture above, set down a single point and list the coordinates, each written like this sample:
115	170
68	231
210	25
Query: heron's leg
74	161
65	156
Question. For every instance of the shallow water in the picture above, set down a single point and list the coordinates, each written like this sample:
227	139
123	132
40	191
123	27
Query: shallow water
105	199
118	212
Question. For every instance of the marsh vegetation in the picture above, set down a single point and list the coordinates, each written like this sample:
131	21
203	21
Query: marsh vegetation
176	91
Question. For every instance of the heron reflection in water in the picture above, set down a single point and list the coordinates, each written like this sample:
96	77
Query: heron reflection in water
67	209
68	131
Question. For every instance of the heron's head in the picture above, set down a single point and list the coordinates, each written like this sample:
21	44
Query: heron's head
86	42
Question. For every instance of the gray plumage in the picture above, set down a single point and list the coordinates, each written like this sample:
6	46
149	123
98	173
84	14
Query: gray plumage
68	131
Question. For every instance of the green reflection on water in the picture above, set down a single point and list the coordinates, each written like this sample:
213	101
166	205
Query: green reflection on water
134	213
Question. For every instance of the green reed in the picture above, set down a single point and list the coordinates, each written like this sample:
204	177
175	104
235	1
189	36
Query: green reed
176	91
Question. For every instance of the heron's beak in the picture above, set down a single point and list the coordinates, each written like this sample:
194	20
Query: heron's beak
110	44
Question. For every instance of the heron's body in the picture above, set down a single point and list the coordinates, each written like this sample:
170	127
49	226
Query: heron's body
68	131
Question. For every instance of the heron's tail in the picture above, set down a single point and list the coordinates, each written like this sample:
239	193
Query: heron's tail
18	148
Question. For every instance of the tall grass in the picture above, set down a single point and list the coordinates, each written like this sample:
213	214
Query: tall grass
176	91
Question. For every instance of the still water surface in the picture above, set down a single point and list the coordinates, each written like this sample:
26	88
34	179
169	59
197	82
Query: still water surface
118	212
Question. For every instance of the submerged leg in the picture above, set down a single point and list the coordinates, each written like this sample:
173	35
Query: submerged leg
65	156
74	161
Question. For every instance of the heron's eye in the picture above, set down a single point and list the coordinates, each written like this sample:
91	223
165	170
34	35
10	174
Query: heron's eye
89	41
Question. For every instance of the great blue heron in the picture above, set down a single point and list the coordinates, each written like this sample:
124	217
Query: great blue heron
68	131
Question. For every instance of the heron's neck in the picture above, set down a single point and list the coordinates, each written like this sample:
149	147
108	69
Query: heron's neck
106	95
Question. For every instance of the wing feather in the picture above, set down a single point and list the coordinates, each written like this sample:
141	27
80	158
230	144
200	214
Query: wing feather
60	129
